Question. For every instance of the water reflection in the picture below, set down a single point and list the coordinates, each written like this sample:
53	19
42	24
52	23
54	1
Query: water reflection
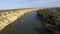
41	30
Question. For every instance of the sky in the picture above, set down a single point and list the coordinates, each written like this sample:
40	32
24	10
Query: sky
10	4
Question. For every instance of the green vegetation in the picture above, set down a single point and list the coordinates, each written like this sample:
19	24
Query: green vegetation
50	14
50	18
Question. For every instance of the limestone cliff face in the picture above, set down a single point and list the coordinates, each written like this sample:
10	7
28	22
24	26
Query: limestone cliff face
9	16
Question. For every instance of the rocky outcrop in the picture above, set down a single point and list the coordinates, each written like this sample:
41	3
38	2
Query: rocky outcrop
50	18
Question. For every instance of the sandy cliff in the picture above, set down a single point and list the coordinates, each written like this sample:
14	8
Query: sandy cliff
9	16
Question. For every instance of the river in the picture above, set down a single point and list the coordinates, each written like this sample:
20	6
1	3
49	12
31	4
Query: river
29	25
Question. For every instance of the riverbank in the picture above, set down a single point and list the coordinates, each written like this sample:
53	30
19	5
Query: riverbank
29	25
9	16
50	18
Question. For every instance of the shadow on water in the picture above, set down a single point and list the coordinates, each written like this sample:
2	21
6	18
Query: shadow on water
41	30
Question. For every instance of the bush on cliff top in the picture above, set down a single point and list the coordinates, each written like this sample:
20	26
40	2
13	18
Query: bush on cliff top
51	14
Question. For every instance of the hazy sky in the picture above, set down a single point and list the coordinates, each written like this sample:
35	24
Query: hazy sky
7	4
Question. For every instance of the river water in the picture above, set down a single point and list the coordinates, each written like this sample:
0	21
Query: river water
29	25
